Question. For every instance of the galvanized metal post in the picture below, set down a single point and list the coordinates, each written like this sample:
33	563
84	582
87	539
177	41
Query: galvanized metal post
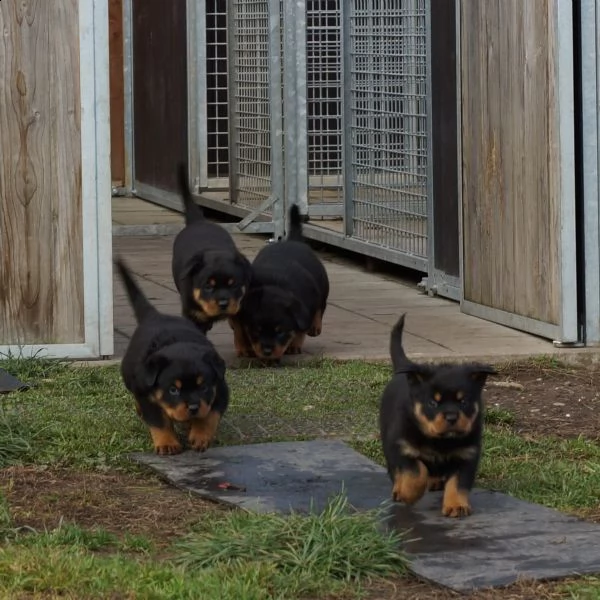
566	114
590	38
197	98
232	105
294	107
277	167
347	145
429	154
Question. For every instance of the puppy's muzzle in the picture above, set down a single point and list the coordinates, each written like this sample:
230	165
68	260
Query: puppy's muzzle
223	303
193	409
267	350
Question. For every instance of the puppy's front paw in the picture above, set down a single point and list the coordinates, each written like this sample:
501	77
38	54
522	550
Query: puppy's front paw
293	350
456	500
410	486
203	431
169	449
459	509
200	440
165	441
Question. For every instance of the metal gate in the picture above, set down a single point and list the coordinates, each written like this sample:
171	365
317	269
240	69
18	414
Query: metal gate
348	83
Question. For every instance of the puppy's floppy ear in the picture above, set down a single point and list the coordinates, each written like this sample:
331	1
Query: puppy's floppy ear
193	265
479	372
151	369
416	374
216	363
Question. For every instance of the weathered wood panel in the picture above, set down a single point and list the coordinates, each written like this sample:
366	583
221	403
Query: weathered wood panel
511	184
117	91
41	265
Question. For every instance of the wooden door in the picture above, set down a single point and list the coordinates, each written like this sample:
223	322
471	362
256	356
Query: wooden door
159	97
518	186
55	194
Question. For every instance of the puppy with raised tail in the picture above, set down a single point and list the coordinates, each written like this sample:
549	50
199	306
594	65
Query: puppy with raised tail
287	298
210	273
431	421
174	373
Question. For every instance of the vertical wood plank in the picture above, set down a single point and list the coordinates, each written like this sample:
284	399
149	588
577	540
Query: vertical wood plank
511	185
65	195
41	286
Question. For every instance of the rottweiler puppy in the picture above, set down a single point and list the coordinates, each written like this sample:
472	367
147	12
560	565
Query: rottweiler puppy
210	273
431	419
286	300
174	373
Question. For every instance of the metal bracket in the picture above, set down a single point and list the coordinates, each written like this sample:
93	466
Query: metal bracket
558	344
266	203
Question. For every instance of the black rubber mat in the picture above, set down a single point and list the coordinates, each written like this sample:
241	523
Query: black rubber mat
504	540
9	383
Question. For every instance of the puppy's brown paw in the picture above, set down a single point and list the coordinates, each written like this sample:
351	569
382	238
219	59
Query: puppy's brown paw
314	331
168	450
456	510
456	501
165	441
200	441
293	350
410	486
203	431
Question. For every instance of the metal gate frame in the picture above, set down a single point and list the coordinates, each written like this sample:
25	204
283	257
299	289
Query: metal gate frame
589	30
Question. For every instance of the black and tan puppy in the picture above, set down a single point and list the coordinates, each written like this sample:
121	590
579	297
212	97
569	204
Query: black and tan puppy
287	298
430	421
174	373
210	273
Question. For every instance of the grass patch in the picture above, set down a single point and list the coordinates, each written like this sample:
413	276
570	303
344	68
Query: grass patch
84	419
310	553
236	555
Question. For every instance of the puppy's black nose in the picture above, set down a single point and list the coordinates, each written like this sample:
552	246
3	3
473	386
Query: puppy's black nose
267	350
193	408
451	418
223	303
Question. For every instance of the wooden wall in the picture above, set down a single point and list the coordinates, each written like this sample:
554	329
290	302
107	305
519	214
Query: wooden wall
117	91
511	184
41	264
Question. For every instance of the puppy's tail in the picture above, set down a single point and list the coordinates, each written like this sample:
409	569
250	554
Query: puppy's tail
399	358
141	305
295	227
193	212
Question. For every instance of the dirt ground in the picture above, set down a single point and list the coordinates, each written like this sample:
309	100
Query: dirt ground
562	402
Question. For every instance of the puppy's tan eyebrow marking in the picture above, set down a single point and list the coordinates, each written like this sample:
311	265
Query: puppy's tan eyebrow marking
178	384
460	395
437	396
199	380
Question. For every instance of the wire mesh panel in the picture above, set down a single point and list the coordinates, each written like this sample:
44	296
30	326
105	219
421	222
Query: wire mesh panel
217	122
250	114
324	100
387	110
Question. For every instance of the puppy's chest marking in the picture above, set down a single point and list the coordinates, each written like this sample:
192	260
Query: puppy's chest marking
432	456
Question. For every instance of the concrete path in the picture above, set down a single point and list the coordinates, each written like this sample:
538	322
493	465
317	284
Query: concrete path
362	308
